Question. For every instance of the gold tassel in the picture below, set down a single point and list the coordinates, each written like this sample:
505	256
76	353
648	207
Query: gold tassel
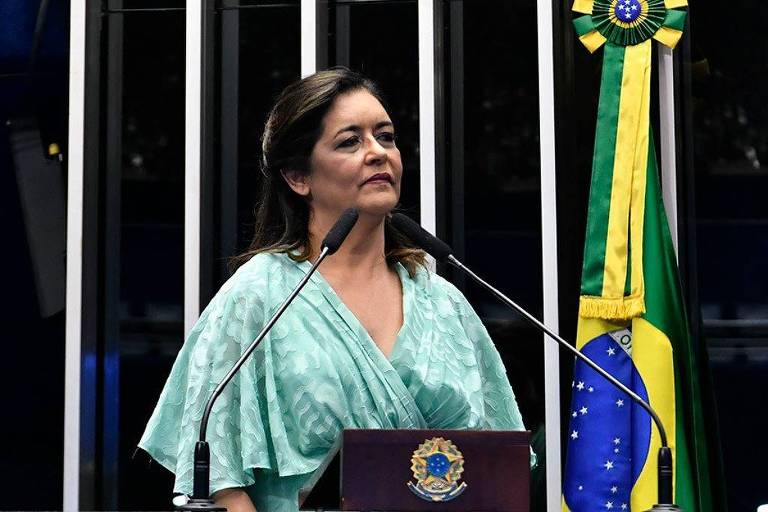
622	308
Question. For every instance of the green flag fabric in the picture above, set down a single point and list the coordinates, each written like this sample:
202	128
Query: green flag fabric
632	319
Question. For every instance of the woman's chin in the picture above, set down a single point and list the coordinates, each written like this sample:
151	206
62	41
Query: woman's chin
376	208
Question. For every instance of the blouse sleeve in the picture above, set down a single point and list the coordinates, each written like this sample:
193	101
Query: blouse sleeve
501	411
500	406
237	431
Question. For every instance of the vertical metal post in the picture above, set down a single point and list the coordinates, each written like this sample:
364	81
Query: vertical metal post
549	250
192	162
308	37
668	141
73	315
426	16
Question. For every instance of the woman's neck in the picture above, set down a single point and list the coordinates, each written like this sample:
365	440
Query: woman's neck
362	253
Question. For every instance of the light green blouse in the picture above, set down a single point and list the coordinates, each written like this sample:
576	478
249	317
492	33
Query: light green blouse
317	373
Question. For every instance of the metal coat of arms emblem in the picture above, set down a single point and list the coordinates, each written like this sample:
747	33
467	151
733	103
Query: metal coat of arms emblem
437	466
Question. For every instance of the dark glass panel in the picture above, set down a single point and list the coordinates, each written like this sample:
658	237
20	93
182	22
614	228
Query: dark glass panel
382	42
151	232
729	152
494	202
235	4
269	60
501	147
32	429
144	4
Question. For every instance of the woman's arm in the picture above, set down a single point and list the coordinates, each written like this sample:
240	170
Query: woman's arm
235	500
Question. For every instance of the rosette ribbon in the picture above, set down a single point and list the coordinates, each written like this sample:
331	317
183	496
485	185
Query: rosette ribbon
632	319
612	276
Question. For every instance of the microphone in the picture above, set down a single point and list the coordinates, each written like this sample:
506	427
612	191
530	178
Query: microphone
340	230
442	252
201	501
421	237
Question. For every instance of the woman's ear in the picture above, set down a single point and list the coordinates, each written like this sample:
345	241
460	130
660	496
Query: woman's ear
298	181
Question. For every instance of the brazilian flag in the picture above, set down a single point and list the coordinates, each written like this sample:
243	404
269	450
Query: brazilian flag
631	316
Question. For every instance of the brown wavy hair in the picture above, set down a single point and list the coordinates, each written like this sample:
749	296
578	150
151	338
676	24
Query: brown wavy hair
293	127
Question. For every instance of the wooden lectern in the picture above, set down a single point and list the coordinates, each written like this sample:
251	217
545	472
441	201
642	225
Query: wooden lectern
370	470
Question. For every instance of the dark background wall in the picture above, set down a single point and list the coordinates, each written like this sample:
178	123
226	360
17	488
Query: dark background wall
32	376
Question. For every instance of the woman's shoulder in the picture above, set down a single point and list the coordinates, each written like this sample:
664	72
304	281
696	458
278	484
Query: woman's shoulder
262	264
431	284
263	273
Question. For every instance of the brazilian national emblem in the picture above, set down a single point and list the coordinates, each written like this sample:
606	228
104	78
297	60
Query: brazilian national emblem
437	466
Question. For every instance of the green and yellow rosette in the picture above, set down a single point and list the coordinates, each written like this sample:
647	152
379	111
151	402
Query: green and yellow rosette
612	276
629	22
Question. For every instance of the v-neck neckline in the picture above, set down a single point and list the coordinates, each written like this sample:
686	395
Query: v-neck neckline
409	416
351	319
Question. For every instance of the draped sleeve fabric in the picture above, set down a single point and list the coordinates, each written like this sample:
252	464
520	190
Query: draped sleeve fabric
239	431
449	362
316	373
312	376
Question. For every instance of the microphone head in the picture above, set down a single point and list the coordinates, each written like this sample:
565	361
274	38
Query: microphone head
421	237
340	230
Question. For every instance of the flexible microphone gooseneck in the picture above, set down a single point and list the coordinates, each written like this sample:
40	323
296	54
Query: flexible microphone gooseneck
442	252
201	500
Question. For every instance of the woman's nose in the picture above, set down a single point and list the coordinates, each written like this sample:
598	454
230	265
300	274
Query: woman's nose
377	153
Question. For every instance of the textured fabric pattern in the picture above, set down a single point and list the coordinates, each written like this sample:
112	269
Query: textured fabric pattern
316	373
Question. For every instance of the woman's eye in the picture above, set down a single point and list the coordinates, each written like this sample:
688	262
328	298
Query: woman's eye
350	142
386	137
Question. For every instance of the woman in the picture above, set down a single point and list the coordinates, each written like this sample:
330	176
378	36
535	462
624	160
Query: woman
373	341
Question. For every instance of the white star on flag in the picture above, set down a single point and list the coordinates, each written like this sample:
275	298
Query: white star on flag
611	351
574	414
608	505
620	402
614	489
608	465
623	506
591	389
583	411
617	441
580	385
575	434
634	7
615	450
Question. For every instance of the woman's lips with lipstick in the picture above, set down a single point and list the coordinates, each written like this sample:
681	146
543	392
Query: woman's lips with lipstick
379	177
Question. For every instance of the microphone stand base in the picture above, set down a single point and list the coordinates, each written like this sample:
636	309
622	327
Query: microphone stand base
196	505
666	507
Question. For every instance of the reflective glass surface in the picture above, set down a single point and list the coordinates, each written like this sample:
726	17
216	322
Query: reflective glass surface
729	153
501	147
143	4
380	40
269	59
493	192
33	114
151	242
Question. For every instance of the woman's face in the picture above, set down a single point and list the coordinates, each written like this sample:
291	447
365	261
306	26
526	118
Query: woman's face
355	162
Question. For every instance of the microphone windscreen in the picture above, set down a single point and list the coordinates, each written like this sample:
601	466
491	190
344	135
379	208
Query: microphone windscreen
421	237
340	230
